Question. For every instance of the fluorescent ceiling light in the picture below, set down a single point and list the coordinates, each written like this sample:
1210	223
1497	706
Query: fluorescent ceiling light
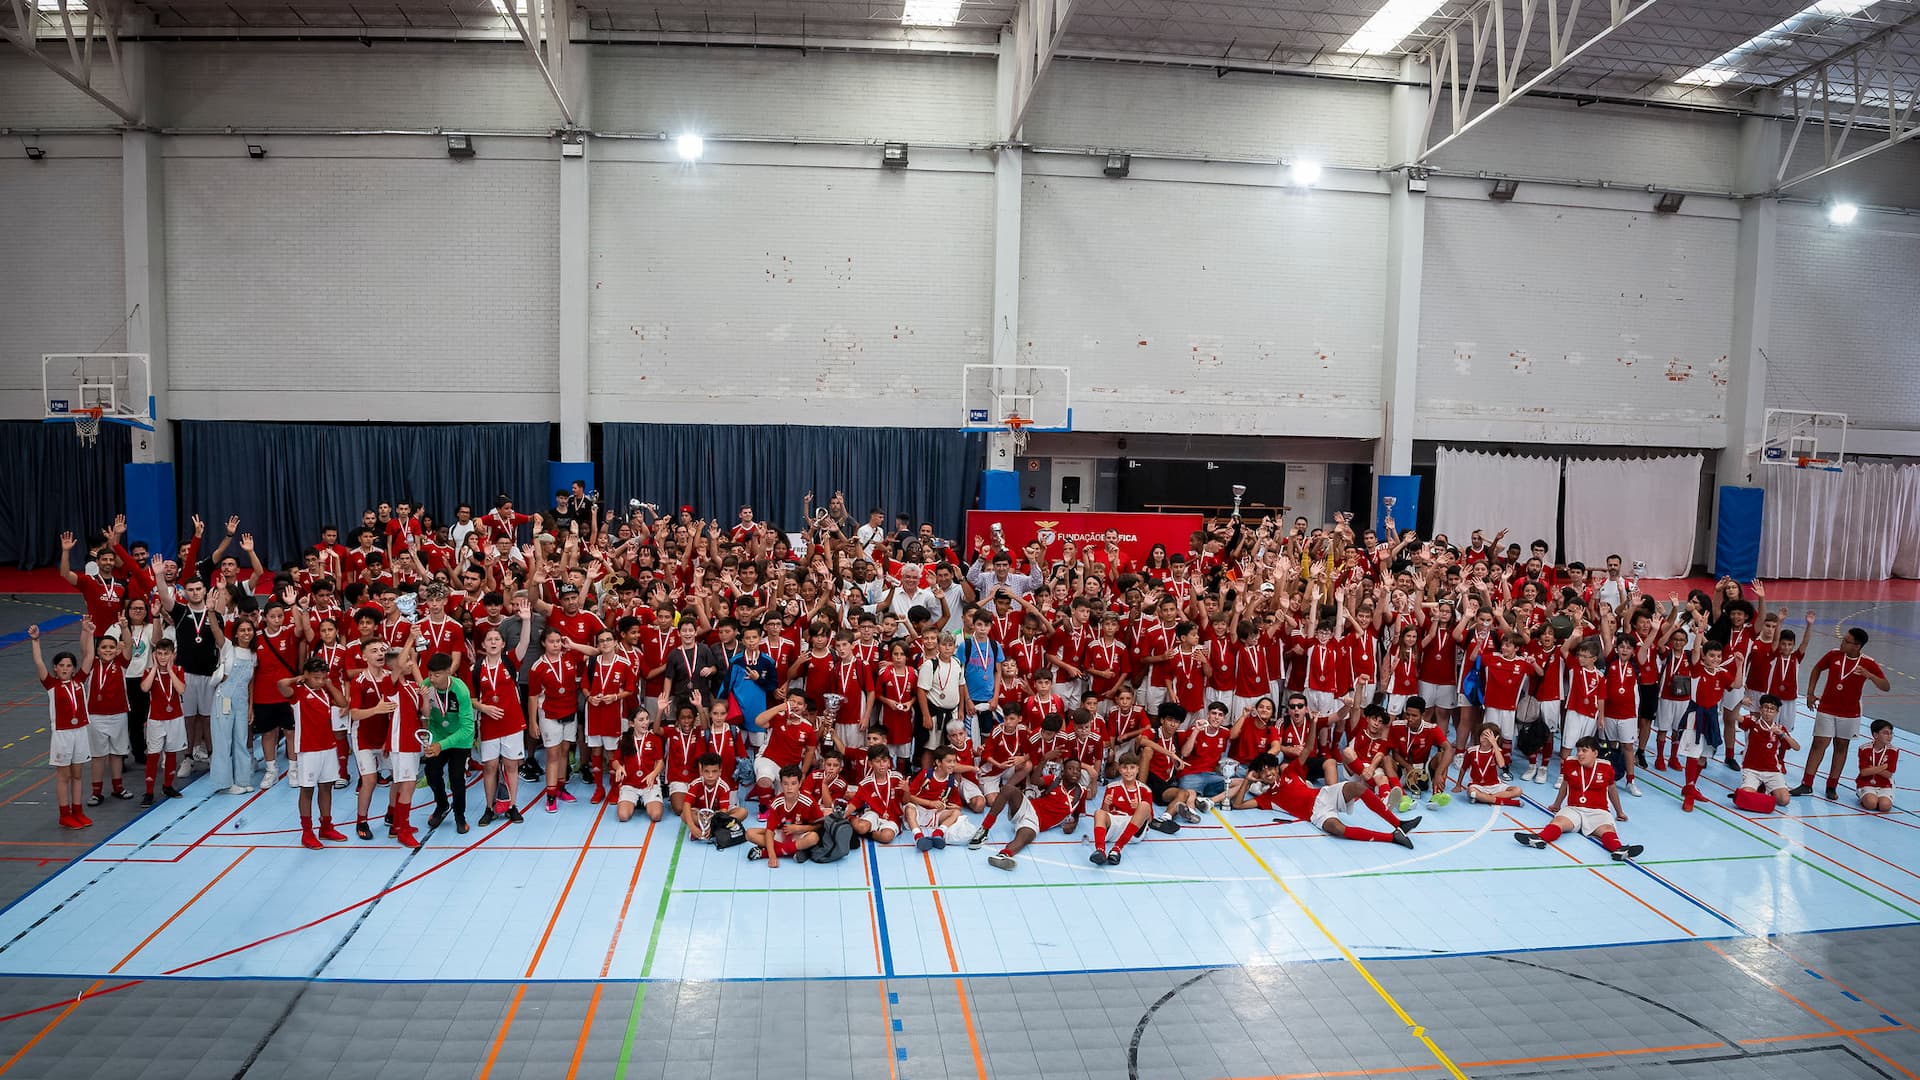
1842	213
52	7
500	7
1390	26
1726	66
690	147
931	13
1304	173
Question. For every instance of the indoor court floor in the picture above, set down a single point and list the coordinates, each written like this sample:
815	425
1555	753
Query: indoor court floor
198	939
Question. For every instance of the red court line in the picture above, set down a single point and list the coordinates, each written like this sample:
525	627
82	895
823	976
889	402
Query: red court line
513	1007
953	961
1760	822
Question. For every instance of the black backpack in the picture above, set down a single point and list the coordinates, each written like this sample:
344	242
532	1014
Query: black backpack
836	839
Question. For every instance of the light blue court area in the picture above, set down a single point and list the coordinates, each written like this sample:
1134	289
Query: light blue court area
212	886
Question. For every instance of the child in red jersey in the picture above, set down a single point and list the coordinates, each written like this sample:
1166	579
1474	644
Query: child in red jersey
934	801
709	797
165	686
1837	710
1368	757
312	764
1485	763
1763	771
876	805
1323	807
1700	732
793	823
1128	800
67	716
1057	804
610	684
107	717
640	758
1586	790
1421	744
1878	760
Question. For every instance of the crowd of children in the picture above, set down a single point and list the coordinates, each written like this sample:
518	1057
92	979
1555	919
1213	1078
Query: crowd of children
798	693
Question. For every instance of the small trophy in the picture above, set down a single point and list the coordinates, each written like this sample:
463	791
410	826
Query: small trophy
833	703
425	738
999	537
1389	501
1239	492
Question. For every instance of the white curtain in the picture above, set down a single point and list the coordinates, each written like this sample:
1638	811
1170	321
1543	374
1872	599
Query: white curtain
1861	522
1642	509
1473	490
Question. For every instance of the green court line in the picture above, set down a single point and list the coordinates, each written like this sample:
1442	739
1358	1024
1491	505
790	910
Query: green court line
1555	866
796	889
646	966
1708	809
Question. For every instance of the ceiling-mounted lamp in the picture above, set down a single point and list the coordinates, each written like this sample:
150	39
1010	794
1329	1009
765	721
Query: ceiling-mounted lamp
35	153
893	155
256	151
460	146
1669	202
1118	165
1503	190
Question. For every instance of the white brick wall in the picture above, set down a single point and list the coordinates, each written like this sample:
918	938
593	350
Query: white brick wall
33	97
815	95
1189	111
1598	142
337	276
1580	319
1888	178
1206	307
61	217
488	87
1846	328
760	294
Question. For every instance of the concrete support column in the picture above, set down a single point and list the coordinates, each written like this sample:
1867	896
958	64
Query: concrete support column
149	476
1753	278
1400	336
576	291
999	487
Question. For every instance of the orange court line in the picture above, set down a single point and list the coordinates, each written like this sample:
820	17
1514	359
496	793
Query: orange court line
520	992
879	968
593	1003
1595	871
36	784
124	961
953	961
1816	1014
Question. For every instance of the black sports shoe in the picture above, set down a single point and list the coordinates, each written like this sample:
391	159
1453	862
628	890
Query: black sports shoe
1833	794
1731	763
1400	837
803	855
1640	758
1803	789
1409	824
363	831
1527	839
513	815
1113	857
756	853
122	793
95	799
1098	858
438	816
171	792
530	771
1631	851
147	799
1164	825
486	817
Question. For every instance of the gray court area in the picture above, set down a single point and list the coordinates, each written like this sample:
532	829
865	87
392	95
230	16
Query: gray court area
1824	1005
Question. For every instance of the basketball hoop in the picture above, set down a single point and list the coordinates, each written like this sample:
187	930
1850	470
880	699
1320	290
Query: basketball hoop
1015	427
86	424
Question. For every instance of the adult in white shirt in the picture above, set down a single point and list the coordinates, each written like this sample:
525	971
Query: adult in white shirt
906	594
874	531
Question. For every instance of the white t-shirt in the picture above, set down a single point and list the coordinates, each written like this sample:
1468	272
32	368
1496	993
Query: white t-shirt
944	683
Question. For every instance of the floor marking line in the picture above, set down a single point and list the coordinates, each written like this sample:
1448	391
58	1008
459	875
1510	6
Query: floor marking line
47	779
613	942
1631	895
625	1060
559	906
1419	1032
888	1024
953	961
1756	976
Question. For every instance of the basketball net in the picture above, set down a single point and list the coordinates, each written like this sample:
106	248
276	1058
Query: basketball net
1016	427
86	424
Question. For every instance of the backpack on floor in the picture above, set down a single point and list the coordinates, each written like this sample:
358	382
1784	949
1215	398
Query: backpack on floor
1533	737
836	839
727	833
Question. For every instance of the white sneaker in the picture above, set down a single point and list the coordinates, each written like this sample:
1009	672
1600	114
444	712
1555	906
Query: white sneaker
1633	788
267	780
237	789
200	753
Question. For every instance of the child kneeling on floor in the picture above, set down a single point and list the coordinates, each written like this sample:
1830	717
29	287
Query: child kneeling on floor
1763	771
1589	787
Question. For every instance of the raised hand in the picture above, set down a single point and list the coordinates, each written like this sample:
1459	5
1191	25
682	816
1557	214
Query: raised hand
66	541
246	542
233	524
33	632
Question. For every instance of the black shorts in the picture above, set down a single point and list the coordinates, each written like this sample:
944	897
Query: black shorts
1649	700
1159	787
272	716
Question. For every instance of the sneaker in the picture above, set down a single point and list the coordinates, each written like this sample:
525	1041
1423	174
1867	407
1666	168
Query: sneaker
553	807
328	832
1833	794
1687	798
1098	858
1633	788
340	783
567	796
1113	857
95	799
1527	839
122	793
171	792
1187	815
486	817
513	815
362	830
938	840
435	819
1409	824
803	855
237	789
1000	861
1803	789
1164	825
1730	762
1628	853
147	799
1204	805
1400	837
1405	804
1440	799
530	771
756	853
1640	758
310	841
761	816
979	839
597	797
923	843
200	753
267	780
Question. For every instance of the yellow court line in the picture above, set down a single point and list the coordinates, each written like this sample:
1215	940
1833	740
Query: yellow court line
1416	1030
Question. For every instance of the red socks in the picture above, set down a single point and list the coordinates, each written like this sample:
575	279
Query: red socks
1100	837
153	770
1550	833
1610	841
1694	767
1753	802
1506	802
1368	835
173	765
307	838
1126	834
339	751
1379	806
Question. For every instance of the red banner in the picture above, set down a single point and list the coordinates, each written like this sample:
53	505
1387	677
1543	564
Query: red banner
1137	533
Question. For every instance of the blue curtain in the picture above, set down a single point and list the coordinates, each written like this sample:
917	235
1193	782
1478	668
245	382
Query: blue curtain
286	481
931	473
56	485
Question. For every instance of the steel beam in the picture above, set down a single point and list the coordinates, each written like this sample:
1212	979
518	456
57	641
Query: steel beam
548	49
1037	28
1546	47
1866	85
103	18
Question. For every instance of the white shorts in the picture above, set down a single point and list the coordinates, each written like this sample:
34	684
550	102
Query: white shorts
512	747
167	736
1574	727
197	698
1026	817
633	796
1621	731
339	718
108	735
1152	697
1587	821
930	819
1668	715
990	781
406	767
371	762
970	790
1071	691
1504	720
1320	704
1440	695
71	746
1691	745
1789	712
1491	791
1879	792
312	768
555	732
603	742
849	735
1550	712
1330	803
1224	697
876	822
768	770
1397	704
676	787
1827	725
1768	782
1363	693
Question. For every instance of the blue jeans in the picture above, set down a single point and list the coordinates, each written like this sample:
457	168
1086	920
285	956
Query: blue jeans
230	762
1205	784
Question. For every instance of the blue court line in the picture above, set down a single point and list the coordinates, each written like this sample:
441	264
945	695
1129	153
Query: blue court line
8	641
880	909
1675	889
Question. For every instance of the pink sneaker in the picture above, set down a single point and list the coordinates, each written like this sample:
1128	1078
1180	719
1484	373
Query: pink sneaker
567	796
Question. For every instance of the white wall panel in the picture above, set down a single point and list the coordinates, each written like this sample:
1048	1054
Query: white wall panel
65	281
767	294
33	97
1189	111
1210	308
334	86
1890	177
356	287
1846	328
1598	142
814	95
1571	324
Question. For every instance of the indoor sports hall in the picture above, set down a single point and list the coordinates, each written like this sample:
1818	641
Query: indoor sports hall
898	539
